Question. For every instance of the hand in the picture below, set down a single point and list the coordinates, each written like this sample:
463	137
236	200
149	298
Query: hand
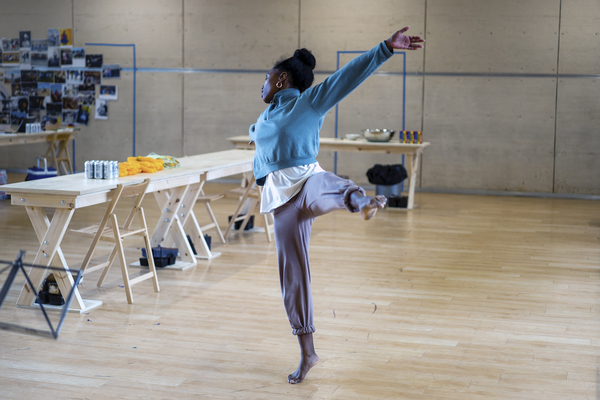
399	41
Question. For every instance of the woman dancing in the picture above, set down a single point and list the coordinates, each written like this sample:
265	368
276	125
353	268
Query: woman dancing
295	188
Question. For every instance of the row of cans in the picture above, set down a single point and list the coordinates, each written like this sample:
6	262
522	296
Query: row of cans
410	137
33	128
97	169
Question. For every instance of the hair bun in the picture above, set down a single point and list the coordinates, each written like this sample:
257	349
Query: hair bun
306	57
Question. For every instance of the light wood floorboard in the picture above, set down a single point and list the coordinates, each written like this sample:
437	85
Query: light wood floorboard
465	297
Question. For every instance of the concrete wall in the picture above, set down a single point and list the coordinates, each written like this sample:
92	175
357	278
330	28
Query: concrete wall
506	92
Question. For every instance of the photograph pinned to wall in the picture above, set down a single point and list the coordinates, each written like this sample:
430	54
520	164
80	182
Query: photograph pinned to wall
5	118
46	76
29	89
30	75
66	57
39	45
91	77
6	46
60	77
6	105
25	39
39	59
79	57
36	103
108	92
14	44
25	58
74	76
10	59
70	103
54	109
87	94
56	93
69	117
1	72
111	71
53	37
101	109
21	109
70	90
15	89
51	123
93	60
12	76
83	114
44	89
66	37
53	57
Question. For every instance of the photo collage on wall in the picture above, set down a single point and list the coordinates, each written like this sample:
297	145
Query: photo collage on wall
49	81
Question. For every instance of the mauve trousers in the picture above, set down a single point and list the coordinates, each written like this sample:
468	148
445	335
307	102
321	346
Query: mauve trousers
322	193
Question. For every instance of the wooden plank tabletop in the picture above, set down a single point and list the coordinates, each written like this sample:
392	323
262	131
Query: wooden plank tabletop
77	185
342	144
7	139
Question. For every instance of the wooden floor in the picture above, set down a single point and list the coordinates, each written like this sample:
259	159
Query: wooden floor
465	297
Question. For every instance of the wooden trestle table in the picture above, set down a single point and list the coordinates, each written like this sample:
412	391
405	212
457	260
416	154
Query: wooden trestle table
58	151
412	151
176	191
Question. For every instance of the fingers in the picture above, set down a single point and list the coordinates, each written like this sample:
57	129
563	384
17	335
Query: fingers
415	39
404	29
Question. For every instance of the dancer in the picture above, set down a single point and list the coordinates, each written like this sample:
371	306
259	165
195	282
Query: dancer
295	188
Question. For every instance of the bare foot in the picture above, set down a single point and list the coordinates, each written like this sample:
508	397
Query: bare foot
368	205
308	358
306	363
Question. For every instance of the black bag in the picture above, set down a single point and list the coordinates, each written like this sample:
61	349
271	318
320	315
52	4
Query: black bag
387	174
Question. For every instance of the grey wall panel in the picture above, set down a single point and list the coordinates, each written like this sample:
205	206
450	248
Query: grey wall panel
154	26
580	37
492	36
230	34
159	114
578	137
343	25
35	16
218	106
490	134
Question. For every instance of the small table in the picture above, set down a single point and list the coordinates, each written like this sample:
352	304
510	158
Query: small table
413	151
57	144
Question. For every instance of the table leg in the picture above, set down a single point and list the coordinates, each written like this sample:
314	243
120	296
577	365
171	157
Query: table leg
51	236
169	224
65	281
250	183
413	167
188	219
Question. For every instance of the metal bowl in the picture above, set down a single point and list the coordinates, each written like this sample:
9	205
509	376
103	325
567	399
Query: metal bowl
378	135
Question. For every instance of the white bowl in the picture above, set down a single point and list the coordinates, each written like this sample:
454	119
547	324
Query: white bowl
352	136
378	135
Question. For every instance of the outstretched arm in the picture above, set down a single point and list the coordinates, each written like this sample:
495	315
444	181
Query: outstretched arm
327	94
402	42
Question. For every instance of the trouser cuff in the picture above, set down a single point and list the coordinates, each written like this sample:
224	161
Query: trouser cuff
304	331
349	192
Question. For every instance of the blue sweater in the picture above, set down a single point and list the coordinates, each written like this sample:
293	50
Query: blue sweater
287	132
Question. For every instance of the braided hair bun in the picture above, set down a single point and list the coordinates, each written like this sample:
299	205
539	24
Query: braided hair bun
299	68
306	57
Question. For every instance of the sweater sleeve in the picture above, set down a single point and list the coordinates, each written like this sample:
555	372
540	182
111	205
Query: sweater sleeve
324	96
